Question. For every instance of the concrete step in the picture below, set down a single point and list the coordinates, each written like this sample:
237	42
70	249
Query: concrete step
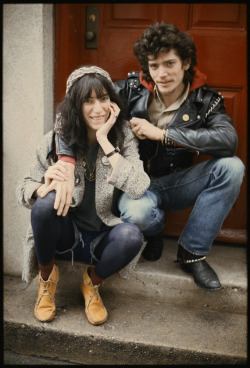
158	316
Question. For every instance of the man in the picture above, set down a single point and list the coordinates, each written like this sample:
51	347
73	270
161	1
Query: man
176	116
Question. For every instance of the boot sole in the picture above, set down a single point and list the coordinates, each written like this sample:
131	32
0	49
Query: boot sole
197	283
205	288
47	319
94	323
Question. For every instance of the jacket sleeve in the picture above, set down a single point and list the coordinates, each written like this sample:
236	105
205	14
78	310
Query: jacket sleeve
128	174
130	96
216	136
35	176
63	148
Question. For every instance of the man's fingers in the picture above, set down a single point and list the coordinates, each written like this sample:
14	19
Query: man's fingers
132	123
55	176
54	172
137	130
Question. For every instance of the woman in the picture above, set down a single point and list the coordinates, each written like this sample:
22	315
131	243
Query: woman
91	120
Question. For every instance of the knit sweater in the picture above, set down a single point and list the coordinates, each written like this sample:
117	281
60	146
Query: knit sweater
128	176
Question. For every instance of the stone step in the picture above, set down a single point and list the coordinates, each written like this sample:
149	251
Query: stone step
165	280
158	316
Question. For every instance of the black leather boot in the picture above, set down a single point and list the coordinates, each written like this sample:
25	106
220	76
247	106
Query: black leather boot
153	250
203	274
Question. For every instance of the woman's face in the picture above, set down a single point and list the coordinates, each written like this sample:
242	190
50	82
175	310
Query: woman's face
96	111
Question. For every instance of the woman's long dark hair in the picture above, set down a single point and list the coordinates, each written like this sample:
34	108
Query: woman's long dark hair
72	124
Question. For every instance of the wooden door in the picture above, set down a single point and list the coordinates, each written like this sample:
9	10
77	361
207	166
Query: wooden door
219	32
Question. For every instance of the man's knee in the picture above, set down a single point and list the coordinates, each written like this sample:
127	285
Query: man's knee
234	169
137	211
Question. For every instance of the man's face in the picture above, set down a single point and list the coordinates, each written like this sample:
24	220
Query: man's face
167	73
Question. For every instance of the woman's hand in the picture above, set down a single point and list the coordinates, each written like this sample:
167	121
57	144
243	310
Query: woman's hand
60	178
64	191
104	130
38	192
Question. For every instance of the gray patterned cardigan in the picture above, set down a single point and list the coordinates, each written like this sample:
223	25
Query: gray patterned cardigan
127	176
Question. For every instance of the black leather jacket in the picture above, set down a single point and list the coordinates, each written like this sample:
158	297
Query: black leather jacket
209	130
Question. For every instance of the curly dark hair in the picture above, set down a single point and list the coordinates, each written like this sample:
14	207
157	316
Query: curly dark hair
164	37
72	125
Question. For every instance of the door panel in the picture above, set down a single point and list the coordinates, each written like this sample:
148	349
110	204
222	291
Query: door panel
219	16
219	32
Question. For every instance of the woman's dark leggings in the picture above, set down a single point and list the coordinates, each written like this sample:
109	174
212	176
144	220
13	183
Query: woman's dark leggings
56	233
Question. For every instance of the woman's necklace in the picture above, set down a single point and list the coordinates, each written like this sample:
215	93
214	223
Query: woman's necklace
90	176
89	163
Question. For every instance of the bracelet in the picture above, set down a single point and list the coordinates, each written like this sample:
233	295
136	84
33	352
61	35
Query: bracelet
113	152
163	136
168	141
166	135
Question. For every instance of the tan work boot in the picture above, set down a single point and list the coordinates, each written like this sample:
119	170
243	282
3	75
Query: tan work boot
45	308
94	308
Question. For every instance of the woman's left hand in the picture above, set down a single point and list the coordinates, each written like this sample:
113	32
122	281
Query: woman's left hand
104	130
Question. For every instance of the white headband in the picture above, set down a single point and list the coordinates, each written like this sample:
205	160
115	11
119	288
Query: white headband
80	72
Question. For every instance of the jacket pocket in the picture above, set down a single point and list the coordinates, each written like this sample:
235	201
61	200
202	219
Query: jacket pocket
171	160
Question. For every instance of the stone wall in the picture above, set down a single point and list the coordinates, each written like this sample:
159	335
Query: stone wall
28	101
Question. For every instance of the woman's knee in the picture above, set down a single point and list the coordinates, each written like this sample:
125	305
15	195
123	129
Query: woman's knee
44	207
129	238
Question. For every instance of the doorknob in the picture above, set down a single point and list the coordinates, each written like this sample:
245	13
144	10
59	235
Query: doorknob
89	36
91	27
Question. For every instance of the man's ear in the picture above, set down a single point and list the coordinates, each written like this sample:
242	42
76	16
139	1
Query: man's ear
186	64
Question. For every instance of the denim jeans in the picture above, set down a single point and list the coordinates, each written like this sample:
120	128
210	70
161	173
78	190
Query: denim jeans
110	250
211	187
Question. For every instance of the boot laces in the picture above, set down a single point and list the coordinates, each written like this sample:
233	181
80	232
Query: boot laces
46	285
95	292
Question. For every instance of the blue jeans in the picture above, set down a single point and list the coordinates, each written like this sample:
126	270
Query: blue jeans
212	187
110	250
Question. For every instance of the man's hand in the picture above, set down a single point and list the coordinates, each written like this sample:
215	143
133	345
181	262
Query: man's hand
145	130
57	172
61	179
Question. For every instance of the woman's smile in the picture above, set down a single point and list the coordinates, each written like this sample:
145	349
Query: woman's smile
97	117
96	110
